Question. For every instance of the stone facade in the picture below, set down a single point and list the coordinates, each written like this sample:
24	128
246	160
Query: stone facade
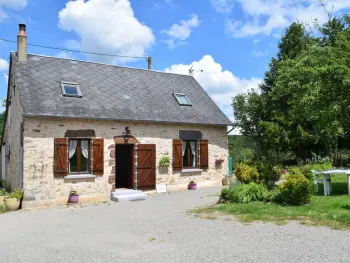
42	188
12	139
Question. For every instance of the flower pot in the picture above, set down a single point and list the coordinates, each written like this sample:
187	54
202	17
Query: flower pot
12	204
192	186
72	199
226	181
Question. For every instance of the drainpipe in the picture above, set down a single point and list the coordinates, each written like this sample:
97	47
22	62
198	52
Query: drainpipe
21	157
3	161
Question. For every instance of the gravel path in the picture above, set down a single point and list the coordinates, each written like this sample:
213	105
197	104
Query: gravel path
159	230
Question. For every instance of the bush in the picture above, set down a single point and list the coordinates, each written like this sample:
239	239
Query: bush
296	190
3	192
244	194
246	174
269	174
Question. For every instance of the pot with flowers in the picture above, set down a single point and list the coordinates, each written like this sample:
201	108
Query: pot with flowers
73	197
192	185
13	200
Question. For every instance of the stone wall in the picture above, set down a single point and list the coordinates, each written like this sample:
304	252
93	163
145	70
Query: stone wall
42	188
12	137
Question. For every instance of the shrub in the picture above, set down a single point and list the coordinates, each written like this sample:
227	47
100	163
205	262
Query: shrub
3	192
296	190
246	174
269	174
18	193
165	161
244	194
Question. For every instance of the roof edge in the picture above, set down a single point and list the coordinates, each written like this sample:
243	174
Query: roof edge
129	120
105	64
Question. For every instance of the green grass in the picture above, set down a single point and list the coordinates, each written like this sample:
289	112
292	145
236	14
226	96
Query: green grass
332	211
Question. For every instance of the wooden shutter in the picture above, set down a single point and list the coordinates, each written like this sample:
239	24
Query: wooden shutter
146	166
203	155
177	155
61	157
97	156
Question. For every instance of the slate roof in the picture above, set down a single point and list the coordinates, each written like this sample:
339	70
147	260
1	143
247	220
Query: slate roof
111	93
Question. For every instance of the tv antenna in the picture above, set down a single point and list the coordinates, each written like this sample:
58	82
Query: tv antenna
191	71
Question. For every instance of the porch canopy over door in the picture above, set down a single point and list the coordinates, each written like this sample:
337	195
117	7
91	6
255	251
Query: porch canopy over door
146	166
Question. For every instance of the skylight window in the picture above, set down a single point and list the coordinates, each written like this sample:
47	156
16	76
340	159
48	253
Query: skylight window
70	89
182	99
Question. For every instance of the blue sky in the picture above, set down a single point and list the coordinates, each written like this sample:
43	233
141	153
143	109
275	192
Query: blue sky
232	41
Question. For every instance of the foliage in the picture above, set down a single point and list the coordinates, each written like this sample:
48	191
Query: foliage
3	192
269	174
246	173
73	192
296	190
244	193
302	104
18	194
2	209
316	164
165	161
241	148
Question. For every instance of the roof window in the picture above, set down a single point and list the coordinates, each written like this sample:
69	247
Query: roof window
71	89
182	99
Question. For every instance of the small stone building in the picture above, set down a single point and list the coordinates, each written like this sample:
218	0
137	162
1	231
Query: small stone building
93	128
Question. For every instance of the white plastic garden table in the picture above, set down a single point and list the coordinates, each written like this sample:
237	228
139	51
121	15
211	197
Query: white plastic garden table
327	176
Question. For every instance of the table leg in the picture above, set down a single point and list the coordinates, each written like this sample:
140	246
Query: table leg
325	188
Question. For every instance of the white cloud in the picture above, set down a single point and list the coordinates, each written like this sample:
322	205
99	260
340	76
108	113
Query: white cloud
65	54
223	7
271	16
107	26
222	85
4	65
259	53
11	4
179	33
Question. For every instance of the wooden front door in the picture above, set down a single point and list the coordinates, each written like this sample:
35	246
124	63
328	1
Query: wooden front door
146	166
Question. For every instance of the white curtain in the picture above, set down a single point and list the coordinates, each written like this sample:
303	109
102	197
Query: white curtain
193	150
85	148
183	148
72	147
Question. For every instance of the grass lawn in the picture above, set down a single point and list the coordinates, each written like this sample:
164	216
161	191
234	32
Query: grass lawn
332	211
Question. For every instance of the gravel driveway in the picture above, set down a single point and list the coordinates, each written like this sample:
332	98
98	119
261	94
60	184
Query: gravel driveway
159	230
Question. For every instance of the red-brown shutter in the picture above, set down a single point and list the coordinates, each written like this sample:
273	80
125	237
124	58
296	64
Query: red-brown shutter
61	157
146	166
203	155
177	155
97	156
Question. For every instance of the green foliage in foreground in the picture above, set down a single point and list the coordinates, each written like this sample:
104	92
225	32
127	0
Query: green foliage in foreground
2	209
244	194
332	211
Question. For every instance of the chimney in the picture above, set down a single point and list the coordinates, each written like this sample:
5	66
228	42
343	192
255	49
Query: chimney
22	44
149	62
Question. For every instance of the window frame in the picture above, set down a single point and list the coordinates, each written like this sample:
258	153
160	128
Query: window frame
79	157
63	83
188	148
181	104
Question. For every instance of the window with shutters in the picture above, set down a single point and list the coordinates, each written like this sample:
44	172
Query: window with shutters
189	154
79	157
79	153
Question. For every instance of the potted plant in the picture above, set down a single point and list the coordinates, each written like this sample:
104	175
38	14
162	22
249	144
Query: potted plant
73	197
164	161
13	200
192	186
3	193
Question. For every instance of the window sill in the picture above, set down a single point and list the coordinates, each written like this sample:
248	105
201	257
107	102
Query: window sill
191	170
80	176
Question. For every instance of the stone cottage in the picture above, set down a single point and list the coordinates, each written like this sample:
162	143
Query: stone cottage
95	128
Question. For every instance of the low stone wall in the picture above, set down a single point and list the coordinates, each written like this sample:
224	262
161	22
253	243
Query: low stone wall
42	188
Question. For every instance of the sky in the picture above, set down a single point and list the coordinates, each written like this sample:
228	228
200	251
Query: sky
228	43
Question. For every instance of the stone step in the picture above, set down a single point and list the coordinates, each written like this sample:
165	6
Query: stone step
125	192
129	197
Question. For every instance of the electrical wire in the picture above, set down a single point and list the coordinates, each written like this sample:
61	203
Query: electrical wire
72	50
